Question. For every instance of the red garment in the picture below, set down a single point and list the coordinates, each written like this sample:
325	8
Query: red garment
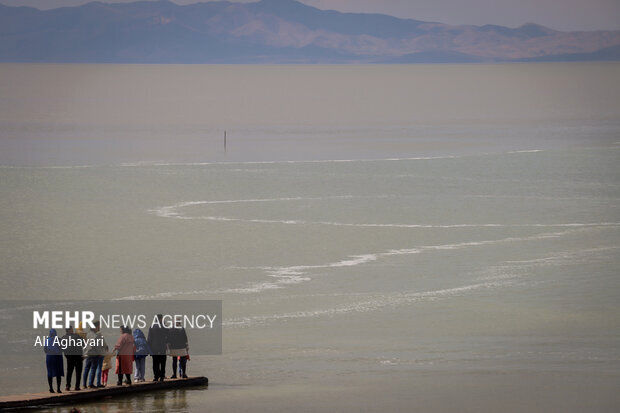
126	354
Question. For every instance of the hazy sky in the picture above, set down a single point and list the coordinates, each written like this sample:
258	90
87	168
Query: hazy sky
557	14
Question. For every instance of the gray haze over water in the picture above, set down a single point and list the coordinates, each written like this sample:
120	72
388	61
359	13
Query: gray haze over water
383	237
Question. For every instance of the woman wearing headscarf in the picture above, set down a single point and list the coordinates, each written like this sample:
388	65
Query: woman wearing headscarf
53	360
142	350
126	350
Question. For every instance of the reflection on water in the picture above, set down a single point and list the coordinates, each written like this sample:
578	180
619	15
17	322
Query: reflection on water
161	401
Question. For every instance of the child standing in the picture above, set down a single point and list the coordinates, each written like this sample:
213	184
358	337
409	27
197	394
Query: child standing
105	368
183	366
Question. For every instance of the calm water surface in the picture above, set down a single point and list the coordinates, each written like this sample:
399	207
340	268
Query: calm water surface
390	238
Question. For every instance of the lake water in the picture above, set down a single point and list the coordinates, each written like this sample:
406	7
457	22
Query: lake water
427	237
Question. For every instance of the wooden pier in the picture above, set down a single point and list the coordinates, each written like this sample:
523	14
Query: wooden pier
86	395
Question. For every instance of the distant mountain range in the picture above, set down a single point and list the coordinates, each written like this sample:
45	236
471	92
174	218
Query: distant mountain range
274	31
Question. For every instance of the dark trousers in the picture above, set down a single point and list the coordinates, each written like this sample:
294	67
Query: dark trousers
159	366
74	362
120	379
182	366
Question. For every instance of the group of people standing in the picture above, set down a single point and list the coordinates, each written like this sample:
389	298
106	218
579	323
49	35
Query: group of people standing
96	359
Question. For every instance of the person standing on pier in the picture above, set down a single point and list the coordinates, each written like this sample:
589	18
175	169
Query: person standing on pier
105	368
178	350
73	354
142	350
53	361
157	341
126	350
94	353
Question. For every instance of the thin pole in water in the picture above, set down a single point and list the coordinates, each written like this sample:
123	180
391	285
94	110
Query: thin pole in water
224	141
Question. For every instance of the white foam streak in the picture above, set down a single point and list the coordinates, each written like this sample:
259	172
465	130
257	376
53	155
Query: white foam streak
417	158
48	167
280	277
521	268
283	276
526	151
173	211
376	303
162	163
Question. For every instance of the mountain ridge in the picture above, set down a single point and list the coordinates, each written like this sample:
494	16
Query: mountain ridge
273	31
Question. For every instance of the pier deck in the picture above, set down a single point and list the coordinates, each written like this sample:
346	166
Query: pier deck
86	395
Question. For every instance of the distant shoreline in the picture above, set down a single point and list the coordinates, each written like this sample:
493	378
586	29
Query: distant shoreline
275	32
